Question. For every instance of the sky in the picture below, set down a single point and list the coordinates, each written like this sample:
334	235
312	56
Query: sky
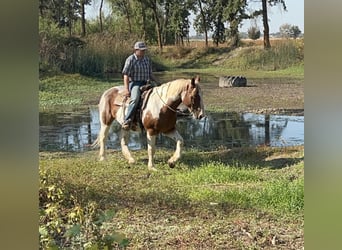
276	15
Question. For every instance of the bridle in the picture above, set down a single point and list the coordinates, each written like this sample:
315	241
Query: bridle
172	109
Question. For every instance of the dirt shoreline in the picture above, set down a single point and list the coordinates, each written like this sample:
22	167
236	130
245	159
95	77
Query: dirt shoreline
263	96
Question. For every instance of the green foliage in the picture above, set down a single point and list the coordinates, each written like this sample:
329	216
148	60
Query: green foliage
63	47
253	33
289	31
65	222
50	46
95	55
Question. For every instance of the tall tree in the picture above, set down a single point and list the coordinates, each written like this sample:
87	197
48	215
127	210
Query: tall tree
64	13
100	16
235	13
176	21
124	7
218	21
154	6
267	43
83	20
143	18
202	20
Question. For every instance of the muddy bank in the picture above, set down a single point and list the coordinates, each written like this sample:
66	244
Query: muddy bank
272	96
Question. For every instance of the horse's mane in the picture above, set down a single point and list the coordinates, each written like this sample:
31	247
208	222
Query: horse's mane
172	88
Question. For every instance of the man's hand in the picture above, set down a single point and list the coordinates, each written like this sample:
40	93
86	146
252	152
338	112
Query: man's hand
127	93
126	84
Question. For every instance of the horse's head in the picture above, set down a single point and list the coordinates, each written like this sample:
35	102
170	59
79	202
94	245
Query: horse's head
192	98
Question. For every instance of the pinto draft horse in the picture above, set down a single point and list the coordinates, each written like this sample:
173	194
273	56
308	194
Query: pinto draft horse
158	115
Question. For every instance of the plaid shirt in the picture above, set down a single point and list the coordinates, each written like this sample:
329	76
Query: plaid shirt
137	69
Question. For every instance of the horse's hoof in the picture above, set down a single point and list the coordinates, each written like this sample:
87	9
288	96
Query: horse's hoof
131	161
172	164
101	158
152	169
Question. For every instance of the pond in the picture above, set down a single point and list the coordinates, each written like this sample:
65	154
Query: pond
76	130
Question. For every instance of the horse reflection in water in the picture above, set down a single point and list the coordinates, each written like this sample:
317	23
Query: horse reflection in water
159	115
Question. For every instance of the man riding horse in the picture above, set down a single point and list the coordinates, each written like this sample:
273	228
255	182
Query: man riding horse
136	72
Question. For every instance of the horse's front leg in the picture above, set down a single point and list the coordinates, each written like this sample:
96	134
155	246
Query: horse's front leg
151	149
124	148
179	146
102	138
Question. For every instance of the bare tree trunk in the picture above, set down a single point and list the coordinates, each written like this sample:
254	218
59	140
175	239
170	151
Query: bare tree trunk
70	28
100	16
159	32
143	20
83	20
126	6
204	23
267	43
129	23
153	5
234	30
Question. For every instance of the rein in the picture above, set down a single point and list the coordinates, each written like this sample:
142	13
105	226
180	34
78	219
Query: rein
176	111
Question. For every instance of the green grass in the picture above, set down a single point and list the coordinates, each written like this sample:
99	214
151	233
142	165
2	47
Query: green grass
171	204
65	91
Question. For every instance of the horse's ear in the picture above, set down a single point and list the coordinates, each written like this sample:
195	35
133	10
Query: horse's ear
193	82
197	79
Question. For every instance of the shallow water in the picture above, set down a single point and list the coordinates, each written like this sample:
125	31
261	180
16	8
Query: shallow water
75	131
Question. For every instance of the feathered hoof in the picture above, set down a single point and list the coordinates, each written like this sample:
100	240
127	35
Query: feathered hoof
102	158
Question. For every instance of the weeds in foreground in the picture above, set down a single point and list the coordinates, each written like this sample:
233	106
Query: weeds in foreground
66	223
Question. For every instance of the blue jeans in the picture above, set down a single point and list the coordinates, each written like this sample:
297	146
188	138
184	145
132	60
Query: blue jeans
135	98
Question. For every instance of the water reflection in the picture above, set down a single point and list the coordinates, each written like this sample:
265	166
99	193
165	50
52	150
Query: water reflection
75	131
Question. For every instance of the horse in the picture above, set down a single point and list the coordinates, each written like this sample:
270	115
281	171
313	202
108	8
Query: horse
158	115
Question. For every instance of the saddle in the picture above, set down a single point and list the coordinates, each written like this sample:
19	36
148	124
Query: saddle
121	100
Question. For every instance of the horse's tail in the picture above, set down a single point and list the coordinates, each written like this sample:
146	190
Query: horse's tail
103	113
96	143
106	117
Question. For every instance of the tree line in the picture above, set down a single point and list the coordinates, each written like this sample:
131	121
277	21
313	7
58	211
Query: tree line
161	22
70	43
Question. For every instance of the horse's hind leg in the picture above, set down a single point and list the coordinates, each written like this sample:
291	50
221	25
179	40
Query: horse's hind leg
102	140
124	147
179	146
